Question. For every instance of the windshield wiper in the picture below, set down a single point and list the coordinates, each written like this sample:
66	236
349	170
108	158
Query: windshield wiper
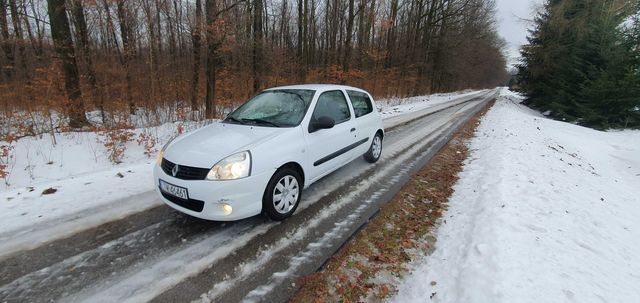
261	121
230	118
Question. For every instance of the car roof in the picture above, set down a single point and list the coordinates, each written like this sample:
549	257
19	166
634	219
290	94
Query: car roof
318	87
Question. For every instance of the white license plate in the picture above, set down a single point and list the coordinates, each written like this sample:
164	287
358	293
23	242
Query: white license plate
173	190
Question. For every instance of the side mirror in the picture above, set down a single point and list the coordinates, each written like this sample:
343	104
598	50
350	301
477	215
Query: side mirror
323	122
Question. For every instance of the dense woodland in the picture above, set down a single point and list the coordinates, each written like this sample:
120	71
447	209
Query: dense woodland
120	56
582	62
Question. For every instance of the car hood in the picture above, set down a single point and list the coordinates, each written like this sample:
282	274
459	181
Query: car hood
210	144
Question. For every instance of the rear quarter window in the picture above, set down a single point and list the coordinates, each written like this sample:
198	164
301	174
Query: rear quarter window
361	102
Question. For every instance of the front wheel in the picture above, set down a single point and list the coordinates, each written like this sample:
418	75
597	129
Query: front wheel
375	150
282	195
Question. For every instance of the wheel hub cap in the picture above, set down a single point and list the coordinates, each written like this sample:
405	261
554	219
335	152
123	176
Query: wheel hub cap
285	194
377	147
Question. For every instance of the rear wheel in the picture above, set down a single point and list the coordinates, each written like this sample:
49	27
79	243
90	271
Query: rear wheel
282	195
375	150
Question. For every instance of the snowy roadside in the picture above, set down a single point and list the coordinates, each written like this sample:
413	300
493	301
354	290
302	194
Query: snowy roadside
82	178
393	107
544	211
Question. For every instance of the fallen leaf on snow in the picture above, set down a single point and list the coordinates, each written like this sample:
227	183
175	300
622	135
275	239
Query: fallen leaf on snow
49	191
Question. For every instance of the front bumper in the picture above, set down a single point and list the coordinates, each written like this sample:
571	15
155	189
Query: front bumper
243	195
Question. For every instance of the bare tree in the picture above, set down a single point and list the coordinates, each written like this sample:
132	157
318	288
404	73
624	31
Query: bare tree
63	44
351	15
196	38
257	56
213	43
127	48
6	40
19	38
82	34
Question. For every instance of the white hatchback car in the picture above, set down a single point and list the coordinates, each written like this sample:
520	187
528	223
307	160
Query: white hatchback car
260	157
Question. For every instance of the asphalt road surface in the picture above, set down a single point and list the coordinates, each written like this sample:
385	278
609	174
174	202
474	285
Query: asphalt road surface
164	256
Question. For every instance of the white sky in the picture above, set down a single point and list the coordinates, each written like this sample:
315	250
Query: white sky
513	24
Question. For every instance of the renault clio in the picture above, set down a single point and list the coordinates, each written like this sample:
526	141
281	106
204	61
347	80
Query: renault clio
264	153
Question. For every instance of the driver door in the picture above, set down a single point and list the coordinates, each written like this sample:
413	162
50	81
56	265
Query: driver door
330	148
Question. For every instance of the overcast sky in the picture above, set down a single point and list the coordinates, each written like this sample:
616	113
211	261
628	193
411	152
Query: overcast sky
511	25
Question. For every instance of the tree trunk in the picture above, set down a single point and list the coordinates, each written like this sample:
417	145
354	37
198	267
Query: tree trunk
152	29
211	11
301	39
125	33
196	38
362	30
391	33
32	38
17	29
347	42
333	35
311	40
158	29
63	45
305	33
257	44
110	28
39	29
6	41
83	44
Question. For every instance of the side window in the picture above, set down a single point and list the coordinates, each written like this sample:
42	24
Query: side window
332	104
361	103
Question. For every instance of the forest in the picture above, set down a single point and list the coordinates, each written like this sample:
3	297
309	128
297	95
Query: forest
101	60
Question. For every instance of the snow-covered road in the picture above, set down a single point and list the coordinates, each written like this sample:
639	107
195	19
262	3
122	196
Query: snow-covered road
162	255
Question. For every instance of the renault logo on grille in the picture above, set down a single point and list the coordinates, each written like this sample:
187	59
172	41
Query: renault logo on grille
174	170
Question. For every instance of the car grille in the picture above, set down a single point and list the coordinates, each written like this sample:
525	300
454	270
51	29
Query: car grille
192	204
184	172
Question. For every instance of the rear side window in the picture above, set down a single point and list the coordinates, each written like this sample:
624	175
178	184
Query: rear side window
332	104
361	103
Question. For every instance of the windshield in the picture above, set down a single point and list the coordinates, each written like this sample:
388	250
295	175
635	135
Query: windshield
276	108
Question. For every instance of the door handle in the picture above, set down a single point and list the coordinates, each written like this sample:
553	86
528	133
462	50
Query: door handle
353	129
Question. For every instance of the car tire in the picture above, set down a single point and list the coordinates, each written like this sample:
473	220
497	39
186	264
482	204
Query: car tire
375	150
282	195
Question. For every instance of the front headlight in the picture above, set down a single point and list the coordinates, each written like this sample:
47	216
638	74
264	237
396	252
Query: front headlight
159	157
233	167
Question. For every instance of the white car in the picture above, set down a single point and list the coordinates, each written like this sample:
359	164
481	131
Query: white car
265	152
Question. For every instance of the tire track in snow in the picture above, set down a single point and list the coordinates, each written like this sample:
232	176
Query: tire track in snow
113	259
153	278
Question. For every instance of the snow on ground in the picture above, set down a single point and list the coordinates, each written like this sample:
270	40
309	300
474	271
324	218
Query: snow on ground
544	211
78	169
398	106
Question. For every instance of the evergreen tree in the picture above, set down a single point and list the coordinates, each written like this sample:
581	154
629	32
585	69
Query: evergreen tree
579	64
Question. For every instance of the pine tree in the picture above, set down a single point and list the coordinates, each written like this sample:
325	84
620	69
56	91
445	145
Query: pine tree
578	64
608	90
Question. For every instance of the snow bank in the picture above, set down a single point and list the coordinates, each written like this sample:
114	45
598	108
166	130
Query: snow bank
78	172
393	107
544	211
